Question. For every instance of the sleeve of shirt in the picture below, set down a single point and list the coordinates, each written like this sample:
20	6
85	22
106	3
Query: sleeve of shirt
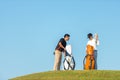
88	43
61	40
98	43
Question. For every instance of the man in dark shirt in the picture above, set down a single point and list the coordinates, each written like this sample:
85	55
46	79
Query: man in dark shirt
58	51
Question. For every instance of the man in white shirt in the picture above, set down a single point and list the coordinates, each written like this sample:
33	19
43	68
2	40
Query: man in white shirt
93	41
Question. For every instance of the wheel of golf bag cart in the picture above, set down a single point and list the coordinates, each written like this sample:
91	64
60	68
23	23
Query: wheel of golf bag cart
69	63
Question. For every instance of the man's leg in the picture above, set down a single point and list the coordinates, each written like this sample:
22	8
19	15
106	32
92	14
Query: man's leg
95	57
57	60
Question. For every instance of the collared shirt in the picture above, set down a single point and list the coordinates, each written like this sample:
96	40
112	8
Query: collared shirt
63	42
93	43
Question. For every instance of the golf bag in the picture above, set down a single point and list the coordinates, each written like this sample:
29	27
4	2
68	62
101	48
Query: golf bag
89	61
69	62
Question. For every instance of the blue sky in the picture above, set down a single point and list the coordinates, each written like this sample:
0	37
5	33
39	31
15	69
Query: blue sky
30	30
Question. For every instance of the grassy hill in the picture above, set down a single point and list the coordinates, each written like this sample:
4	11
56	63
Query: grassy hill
72	75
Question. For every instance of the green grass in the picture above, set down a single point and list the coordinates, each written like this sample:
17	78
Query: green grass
72	75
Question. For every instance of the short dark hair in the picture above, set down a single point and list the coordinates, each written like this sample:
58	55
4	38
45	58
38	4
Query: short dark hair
66	35
89	35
